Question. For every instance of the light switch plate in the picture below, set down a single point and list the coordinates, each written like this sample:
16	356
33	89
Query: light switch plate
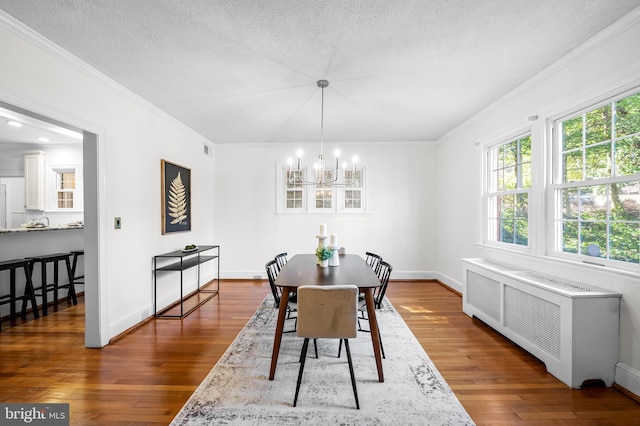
117	222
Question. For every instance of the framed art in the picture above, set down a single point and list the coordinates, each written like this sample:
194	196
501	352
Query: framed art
176	197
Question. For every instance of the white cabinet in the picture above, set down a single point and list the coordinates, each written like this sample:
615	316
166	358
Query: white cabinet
34	196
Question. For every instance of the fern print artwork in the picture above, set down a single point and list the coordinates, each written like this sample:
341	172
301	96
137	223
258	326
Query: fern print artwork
176	198
177	201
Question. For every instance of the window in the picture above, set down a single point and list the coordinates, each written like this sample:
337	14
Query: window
323	195
508	187
597	181
346	196
353	189
65	188
294	190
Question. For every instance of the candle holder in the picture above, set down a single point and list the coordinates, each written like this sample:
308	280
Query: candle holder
334	260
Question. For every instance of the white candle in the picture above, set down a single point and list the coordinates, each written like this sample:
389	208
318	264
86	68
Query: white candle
333	240
323	229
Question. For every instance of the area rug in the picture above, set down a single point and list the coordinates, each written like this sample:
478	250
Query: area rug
238	391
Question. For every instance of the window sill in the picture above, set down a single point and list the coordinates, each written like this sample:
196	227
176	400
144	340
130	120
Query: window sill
571	263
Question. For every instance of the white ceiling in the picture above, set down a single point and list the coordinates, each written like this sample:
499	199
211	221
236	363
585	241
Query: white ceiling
241	71
29	135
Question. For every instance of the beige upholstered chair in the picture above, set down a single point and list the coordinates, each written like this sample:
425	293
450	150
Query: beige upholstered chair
327	312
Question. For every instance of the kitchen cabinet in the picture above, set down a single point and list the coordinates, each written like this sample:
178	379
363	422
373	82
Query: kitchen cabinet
34	196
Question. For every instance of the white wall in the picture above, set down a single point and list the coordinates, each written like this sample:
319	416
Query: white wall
400	224
605	65
133	137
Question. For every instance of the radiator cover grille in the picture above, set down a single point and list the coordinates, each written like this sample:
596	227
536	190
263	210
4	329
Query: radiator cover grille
535	319
484	294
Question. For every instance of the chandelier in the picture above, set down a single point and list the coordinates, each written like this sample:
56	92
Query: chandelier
325	175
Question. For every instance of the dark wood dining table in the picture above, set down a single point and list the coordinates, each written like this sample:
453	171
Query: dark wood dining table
302	269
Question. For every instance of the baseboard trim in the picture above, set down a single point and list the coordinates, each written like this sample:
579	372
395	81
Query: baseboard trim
627	381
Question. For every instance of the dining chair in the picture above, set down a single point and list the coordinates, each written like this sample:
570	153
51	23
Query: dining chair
384	273
272	272
281	260
327	312
373	260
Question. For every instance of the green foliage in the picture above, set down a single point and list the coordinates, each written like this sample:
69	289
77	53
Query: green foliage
323	253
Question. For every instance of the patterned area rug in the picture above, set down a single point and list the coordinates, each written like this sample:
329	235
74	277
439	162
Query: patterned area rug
238	391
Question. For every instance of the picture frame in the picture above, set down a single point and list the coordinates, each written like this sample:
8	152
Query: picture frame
176	197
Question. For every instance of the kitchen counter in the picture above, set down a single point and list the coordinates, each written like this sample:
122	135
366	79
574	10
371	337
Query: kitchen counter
39	229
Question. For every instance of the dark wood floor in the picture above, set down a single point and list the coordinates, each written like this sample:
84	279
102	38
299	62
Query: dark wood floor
147	375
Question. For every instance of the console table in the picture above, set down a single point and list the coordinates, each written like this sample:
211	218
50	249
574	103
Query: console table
182	260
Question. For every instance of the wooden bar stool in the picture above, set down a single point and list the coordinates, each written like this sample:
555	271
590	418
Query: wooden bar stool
46	287
77	279
12	297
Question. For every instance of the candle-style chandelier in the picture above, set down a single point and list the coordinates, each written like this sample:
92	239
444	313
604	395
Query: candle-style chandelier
324	175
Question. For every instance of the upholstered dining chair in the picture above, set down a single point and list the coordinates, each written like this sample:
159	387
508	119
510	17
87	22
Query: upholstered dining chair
327	312
272	272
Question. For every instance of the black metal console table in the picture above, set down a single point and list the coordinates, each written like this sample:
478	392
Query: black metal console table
187	259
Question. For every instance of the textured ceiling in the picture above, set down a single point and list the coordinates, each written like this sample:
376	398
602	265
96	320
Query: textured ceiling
241	71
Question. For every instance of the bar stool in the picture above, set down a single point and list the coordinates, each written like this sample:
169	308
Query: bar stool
12	298
45	287
77	279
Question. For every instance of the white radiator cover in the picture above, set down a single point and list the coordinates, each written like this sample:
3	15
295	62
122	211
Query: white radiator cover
571	327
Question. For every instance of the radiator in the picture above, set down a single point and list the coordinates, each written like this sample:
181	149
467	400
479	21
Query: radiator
571	327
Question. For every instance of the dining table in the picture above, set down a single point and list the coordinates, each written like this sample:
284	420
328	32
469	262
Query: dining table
303	269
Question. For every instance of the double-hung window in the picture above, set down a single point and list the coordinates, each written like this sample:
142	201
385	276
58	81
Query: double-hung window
596	181
353	194
294	191
65	188
508	191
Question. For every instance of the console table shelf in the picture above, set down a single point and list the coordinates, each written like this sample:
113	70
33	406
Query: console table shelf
187	260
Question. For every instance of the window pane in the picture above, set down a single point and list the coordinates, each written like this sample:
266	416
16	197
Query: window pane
597	161
572	134
510	178
324	198
510	154
570	203
522	232
590	208
624	242
570	237
593	233
628	116
598	125
506	206
572	162
65	200
625	201
522	206
628	156
294	178
67	180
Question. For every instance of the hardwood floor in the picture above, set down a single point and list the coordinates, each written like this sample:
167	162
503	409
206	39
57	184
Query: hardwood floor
146	376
